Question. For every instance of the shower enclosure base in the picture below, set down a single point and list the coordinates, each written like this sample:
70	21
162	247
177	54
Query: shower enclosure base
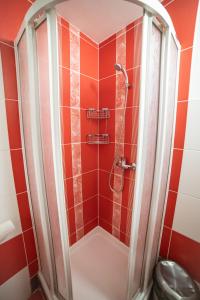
99	265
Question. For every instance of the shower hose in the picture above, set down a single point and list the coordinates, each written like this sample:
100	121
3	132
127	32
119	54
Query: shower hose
117	153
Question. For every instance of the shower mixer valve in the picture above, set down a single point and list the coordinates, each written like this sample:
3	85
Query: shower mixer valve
123	164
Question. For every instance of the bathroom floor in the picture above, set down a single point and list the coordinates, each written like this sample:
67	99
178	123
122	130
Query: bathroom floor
99	264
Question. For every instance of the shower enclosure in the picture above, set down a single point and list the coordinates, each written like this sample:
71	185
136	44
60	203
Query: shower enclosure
58	130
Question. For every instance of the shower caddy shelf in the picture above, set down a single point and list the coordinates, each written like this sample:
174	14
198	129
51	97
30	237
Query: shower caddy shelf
98	139
98	114
103	113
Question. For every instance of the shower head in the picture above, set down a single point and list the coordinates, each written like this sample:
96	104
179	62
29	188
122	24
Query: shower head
120	68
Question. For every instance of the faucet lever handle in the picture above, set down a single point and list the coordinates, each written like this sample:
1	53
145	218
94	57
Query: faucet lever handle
124	165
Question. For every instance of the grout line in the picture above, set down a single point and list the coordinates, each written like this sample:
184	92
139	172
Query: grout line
9	99
81	203
21	193
35	259
32	261
120	231
92	45
25	249
112	75
105	197
82	227
170	228
75	107
169	243
170	2
128	144
15	149
179	149
77	72
28	229
6	44
116	74
108	172
188	48
81	174
73	143
172	191
127	107
111	109
31	277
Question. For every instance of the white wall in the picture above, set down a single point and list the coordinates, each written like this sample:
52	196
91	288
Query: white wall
187	213
18	286
9	208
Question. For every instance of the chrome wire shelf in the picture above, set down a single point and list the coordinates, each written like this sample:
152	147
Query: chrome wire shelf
103	113
98	139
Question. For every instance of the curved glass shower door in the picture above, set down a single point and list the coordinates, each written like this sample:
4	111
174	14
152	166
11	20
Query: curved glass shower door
133	217
30	154
158	92
37	106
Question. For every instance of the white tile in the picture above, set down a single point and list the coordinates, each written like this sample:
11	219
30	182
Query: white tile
17	287
6	174
186	218
4	143
8	200
92	279
194	91
190	173
192	137
9	211
2	95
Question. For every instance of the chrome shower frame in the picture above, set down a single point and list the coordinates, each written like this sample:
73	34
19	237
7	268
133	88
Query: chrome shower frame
152	8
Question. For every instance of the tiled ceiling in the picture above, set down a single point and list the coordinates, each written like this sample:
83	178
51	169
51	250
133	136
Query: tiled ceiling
99	18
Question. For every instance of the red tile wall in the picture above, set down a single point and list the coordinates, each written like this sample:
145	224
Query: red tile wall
97	90
82	216
20	251
174	245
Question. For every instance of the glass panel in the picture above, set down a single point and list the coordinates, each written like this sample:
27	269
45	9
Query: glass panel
46	139
27	128
171	100
159	193
149	140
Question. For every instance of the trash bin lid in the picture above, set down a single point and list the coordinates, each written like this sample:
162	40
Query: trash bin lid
175	282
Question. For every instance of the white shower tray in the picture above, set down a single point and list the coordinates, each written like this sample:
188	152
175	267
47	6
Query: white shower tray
99	264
